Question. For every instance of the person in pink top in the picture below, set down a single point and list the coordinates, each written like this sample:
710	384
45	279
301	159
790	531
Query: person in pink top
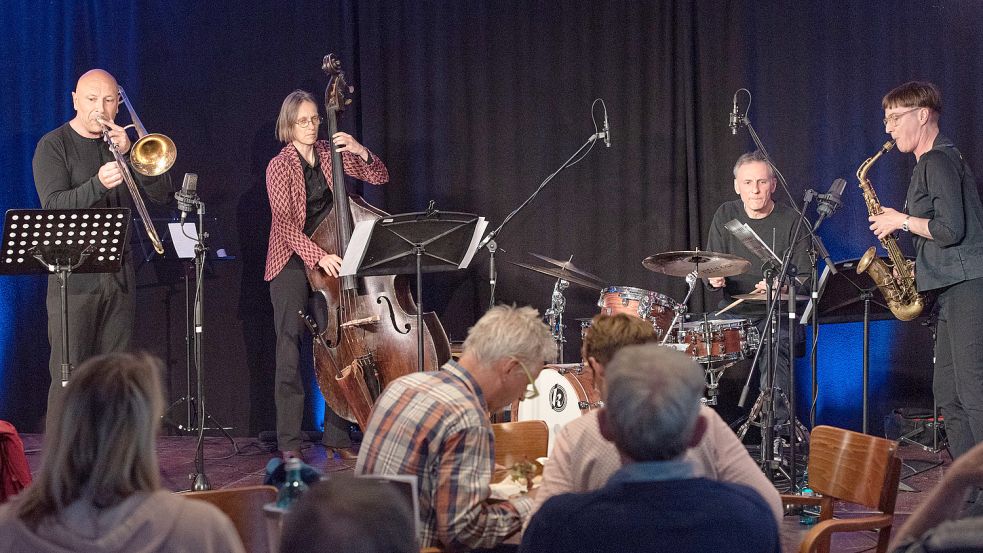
582	460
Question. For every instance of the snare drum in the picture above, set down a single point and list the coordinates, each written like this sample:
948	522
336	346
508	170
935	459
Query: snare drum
565	393
653	306
719	339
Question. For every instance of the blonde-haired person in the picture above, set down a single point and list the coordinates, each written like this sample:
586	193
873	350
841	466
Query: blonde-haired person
583	460
436	427
99	488
298	181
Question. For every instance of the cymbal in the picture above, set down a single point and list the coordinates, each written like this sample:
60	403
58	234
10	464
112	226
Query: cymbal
761	296
567	265
706	264
560	273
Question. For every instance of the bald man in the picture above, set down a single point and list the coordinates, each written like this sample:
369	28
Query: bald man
74	169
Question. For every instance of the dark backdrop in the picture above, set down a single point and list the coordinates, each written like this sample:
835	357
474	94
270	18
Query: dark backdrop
472	104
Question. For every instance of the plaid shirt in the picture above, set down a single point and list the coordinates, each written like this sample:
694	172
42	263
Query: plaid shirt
435	425
288	201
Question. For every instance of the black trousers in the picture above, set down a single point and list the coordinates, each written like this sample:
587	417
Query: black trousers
958	378
290	293
100	320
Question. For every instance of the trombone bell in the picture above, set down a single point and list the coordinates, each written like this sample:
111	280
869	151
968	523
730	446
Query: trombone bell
153	154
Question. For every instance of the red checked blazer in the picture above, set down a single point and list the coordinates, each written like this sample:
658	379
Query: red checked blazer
288	202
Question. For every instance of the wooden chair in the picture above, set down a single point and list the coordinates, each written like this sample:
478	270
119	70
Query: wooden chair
855	468
245	507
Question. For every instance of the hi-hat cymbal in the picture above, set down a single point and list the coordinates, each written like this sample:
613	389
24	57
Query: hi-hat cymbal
568	265
706	264
761	296
560	273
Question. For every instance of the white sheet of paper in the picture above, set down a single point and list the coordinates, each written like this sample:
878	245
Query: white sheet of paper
356	246
479	233
183	245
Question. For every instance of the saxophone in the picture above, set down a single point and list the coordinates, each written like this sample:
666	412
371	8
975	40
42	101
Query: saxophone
902	297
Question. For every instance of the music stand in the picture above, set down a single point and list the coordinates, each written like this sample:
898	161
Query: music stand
847	297
423	242
62	242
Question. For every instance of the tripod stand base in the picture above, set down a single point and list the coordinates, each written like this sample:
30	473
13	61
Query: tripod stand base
200	483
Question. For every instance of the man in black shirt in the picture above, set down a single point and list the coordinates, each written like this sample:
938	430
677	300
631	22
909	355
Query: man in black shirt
754	182
945	219
74	169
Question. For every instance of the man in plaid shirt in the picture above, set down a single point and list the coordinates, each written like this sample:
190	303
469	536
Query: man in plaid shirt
436	426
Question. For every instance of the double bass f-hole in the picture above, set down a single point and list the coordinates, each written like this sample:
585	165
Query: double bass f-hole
392	316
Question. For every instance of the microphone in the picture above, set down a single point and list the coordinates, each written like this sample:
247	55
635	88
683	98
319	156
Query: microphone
607	130
734	117
187	197
830	202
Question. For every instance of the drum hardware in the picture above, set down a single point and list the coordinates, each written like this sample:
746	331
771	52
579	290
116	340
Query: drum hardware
554	315
761	296
561	273
704	264
681	307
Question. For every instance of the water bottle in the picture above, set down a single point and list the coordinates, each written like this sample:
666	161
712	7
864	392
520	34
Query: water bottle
808	516
293	488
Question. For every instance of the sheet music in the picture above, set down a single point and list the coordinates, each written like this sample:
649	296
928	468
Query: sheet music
751	240
356	247
479	231
183	245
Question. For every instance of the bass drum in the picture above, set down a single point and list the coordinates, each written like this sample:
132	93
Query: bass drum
565	393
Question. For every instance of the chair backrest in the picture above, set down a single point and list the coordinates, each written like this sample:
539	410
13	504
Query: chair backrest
245	507
854	467
520	441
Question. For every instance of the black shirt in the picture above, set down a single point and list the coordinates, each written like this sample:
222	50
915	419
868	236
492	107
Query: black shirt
943	190
775	230
319	198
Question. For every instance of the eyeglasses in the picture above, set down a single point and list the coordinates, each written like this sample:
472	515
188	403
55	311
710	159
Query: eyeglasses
528	393
895	117
304	123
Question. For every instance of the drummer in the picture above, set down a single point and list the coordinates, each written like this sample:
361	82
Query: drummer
754	182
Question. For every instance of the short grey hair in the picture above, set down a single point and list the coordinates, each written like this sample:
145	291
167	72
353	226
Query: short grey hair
753	157
653	401
288	114
103	446
508	331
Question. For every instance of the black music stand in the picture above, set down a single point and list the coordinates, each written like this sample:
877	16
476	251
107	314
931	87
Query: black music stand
423	242
848	297
61	242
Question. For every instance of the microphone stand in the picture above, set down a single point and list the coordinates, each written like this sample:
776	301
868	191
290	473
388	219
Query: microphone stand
771	310
489	240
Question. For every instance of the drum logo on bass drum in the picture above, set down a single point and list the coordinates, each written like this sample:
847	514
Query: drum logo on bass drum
558	398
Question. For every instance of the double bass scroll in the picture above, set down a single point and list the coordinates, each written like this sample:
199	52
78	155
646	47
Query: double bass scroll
370	330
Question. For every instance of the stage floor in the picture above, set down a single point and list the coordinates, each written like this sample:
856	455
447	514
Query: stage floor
225	468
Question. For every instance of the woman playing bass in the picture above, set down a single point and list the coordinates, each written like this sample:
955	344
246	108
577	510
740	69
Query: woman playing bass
298	183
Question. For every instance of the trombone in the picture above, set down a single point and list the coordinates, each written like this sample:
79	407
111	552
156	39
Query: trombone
151	155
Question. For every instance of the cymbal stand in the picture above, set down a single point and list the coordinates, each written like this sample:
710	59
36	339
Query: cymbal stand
682	307
554	316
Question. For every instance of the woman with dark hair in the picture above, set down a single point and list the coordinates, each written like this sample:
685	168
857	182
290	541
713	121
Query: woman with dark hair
99	485
298	181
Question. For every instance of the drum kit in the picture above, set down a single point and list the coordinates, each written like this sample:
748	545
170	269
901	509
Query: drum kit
714	343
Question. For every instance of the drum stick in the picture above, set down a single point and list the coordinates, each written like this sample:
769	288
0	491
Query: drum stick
735	304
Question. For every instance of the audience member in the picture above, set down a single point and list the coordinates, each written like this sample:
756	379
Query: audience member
350	515
655	502
583	460
436	426
99	489
945	522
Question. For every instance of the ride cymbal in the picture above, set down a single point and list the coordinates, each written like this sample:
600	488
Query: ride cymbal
706	264
560	273
568	265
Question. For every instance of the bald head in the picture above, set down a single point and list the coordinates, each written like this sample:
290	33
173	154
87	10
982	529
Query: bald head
96	96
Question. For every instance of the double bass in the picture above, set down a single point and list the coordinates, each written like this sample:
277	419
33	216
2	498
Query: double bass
370	335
